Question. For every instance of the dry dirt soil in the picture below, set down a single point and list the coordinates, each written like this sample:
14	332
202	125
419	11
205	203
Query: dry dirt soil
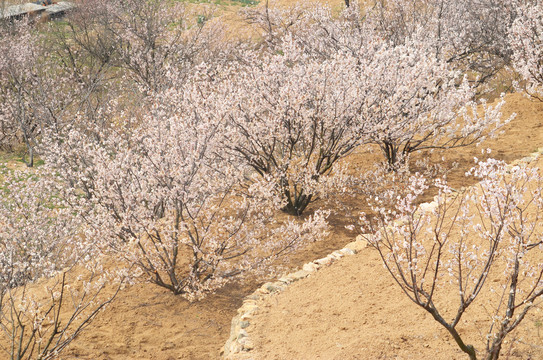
351	310
354	310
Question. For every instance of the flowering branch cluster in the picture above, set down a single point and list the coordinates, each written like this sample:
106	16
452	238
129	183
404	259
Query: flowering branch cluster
472	35
107	53
292	118
52	282
403	96
165	197
490	231
526	39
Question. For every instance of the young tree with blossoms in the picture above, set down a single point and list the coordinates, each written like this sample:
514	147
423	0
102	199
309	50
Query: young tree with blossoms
104	55
155	43
469	34
293	117
164	197
414	101
526	40
486	239
42	86
19	52
408	99
315	28
52	280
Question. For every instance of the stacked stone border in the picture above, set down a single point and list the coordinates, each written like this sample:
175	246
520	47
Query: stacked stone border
239	345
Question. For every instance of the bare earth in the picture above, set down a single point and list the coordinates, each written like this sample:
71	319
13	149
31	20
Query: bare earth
354	310
351	310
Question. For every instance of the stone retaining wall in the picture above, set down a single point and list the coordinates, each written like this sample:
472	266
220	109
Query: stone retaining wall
240	344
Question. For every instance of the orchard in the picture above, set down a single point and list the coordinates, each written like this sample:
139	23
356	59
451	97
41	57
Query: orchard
163	149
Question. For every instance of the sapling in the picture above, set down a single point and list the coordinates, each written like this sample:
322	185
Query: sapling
484	240
52	280
526	39
164	197
293	117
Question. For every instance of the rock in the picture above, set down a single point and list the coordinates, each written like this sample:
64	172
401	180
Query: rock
527	159
275	287
242	334
244	324
324	261
357	245
235	348
265	289
300	274
246	317
337	254
247	309
247	345
227	346
310	267
235	321
262	291
285	279
347	251
428	207
253	297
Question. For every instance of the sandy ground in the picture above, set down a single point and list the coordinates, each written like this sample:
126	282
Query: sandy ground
354	310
